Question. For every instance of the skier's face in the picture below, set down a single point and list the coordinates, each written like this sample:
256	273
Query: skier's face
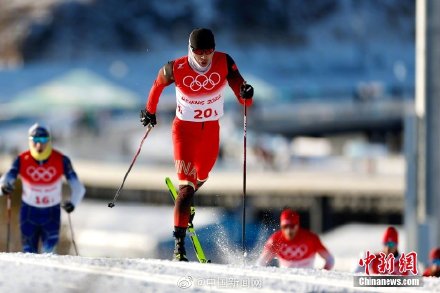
436	267
203	57
289	231
40	143
390	247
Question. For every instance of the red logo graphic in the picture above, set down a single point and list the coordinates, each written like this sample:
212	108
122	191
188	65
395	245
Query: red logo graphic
386	263
408	263
365	262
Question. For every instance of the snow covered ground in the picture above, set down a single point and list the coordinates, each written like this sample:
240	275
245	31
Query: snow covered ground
119	248
51	273
128	229
144	231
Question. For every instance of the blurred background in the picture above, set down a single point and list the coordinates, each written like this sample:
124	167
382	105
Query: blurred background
334	91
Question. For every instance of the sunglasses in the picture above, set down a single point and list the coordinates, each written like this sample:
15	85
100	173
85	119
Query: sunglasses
202	51
288	227
436	261
390	244
41	140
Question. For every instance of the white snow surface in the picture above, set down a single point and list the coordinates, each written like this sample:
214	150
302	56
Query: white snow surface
53	273
125	231
116	242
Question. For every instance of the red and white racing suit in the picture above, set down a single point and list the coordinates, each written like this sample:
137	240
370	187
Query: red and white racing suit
299	252
200	99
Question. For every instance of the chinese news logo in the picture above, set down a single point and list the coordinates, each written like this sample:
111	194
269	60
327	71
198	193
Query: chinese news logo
388	264
188	282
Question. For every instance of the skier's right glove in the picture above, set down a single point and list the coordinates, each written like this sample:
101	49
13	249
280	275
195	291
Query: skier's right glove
68	207
148	118
7	189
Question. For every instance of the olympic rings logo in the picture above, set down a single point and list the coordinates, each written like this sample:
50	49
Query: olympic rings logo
296	252
41	174
202	81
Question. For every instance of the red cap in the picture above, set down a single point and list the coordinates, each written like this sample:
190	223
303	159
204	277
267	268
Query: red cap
390	235
435	253
289	217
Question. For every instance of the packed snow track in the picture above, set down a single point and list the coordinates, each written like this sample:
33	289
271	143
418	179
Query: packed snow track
52	273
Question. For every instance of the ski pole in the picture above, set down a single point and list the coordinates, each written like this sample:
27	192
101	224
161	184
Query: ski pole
72	235
243	236
8	230
112	203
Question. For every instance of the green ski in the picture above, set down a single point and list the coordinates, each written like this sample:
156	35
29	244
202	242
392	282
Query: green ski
192	232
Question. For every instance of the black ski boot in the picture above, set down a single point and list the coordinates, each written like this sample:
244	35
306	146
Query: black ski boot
179	248
199	184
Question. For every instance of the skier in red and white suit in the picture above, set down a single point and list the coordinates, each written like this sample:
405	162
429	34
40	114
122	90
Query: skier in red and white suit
294	246
433	270
41	169
390	241
200	79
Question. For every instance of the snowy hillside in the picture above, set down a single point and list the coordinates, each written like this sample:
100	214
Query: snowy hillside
50	273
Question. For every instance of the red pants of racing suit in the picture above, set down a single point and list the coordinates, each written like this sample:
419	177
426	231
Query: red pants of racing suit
196	147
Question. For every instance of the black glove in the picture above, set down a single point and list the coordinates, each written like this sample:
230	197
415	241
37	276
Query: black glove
68	207
7	189
246	91
148	118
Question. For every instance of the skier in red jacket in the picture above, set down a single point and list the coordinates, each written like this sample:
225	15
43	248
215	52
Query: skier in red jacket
434	269
294	246
388	260
200	79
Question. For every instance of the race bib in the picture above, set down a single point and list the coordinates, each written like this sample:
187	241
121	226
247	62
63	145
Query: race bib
42	195
201	108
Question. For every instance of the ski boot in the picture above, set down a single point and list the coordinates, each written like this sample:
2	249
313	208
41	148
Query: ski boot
179	248
199	184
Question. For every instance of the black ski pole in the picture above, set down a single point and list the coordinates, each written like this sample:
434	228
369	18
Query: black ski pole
243	236
72	235
8	230
112	203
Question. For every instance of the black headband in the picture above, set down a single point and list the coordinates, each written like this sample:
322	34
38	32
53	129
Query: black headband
202	38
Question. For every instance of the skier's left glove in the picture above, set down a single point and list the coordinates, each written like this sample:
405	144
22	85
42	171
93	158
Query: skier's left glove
148	118
246	91
7	189
68	207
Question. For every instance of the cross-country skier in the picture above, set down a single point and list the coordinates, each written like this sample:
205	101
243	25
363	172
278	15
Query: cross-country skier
294	246
433	270
41	170
200	79
390	242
